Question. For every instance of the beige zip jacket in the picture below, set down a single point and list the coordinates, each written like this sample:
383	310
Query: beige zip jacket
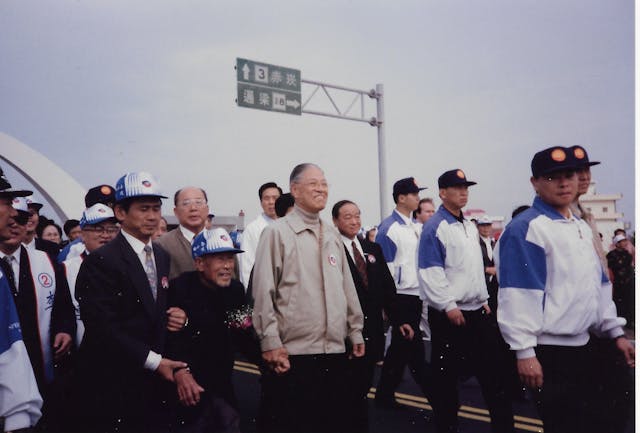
304	295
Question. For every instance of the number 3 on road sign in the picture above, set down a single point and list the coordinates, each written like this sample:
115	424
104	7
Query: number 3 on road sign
279	101
261	74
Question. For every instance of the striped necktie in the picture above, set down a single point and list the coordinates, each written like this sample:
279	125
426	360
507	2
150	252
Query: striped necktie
150	269
360	264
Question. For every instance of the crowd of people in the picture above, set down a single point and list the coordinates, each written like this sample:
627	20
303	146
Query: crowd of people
129	327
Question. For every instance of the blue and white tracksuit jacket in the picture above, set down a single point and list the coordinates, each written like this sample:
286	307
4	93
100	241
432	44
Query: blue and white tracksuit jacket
450	266
398	237
20	401
553	289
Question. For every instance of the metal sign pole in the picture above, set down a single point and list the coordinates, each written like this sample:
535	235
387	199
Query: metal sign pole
382	152
268	87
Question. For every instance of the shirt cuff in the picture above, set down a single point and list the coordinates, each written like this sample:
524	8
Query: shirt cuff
270	343
153	361
17	421
450	306
526	353
356	338
616	332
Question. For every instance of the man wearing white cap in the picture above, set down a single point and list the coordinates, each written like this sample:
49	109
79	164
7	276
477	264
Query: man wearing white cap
30	240
219	322
43	303
122	292
99	227
487	243
20	401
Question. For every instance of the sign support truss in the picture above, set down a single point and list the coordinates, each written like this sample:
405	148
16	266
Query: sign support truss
358	96
378	122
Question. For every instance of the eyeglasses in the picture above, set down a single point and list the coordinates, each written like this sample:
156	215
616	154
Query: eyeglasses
102	230
314	184
196	202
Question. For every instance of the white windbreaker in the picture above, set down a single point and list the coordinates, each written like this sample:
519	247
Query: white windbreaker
450	265
553	289
398	238
20	401
249	243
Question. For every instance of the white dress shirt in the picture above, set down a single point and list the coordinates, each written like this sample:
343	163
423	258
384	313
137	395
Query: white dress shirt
153	359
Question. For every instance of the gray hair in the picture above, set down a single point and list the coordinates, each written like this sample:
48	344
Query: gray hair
297	171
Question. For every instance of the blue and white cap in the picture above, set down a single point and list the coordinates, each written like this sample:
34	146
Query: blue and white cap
485	220
20	204
214	241
96	214
137	184
31	201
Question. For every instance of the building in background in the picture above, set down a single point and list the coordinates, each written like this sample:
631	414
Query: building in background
603	208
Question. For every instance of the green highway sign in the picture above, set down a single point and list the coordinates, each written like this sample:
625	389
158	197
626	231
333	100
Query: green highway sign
268	87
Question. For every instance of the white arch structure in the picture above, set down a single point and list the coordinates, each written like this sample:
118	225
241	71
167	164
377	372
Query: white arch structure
61	191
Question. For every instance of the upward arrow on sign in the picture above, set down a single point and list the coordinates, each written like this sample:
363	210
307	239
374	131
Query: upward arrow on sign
268	87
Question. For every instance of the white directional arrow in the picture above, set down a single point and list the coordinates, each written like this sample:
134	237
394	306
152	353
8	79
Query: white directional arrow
245	71
293	103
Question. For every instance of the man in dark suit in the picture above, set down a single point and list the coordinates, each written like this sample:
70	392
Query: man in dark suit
191	210
30	241
122	292
377	294
487	244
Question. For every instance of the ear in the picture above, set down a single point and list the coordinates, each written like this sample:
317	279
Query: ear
534	183
119	212
199	262
293	189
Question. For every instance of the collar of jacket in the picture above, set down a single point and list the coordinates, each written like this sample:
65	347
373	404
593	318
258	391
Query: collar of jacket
548	210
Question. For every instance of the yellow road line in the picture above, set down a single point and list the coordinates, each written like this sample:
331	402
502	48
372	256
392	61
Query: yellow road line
468	412
463	407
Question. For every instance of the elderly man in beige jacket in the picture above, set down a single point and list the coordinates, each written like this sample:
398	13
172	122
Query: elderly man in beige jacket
306	307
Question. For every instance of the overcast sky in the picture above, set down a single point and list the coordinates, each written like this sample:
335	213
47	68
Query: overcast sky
103	87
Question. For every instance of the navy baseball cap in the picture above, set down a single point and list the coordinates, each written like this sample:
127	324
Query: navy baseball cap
556	158
407	185
104	194
582	157
137	184
7	192
214	241
455	177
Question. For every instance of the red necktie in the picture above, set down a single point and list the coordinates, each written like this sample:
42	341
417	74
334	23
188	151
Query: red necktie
360	264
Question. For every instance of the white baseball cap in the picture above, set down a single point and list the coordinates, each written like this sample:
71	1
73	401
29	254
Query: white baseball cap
213	241
96	214
137	184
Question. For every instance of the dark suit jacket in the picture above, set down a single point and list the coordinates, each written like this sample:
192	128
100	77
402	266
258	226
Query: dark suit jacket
51	248
379	295
122	324
208	344
492	283
179	249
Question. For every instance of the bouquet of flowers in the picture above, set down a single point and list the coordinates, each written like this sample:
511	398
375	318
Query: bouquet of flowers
240	318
